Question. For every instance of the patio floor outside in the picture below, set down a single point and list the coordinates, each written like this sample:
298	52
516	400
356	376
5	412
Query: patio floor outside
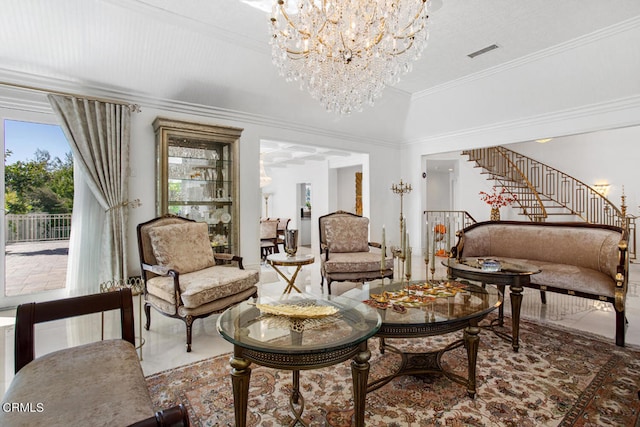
35	266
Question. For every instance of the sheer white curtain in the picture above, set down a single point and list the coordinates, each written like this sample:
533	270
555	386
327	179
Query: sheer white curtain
98	133
83	266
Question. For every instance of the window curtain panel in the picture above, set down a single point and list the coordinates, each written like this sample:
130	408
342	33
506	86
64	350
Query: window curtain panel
99	135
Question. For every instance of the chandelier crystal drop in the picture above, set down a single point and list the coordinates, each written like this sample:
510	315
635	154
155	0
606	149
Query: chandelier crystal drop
345	52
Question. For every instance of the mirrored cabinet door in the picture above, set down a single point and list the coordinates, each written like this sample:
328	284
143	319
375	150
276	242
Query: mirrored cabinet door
198	177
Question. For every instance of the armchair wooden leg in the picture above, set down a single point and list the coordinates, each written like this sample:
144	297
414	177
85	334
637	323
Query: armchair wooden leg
147	313
189	322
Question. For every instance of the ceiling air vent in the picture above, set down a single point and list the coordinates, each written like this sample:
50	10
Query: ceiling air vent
483	50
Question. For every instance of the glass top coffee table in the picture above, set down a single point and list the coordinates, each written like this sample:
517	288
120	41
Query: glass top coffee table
298	332
502	273
418	309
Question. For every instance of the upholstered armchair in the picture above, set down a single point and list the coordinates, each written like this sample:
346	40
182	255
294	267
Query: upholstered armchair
183	278
345	253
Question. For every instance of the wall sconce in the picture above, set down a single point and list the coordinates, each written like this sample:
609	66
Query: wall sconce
602	189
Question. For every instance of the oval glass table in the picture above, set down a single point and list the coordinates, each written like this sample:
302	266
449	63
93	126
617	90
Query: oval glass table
305	335
422	309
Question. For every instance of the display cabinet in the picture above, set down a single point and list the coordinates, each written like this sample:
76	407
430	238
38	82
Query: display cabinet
198	177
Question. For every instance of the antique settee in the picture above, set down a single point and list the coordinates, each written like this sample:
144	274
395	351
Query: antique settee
574	258
96	384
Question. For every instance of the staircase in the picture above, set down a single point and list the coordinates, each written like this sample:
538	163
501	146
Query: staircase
543	191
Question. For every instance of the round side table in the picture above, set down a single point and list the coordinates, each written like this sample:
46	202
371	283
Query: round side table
284	260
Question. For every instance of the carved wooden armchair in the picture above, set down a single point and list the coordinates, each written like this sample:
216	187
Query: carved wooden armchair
345	250
268	237
183	277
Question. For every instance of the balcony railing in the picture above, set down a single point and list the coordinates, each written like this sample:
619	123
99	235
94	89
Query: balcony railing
37	227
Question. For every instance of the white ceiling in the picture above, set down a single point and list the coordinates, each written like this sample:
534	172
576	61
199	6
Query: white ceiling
216	52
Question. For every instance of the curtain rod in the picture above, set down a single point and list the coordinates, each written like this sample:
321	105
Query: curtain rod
135	108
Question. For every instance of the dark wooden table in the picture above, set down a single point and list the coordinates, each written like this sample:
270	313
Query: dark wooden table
442	315
514	275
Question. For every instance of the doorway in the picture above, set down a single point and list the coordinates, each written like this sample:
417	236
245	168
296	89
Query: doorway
37	182
304	203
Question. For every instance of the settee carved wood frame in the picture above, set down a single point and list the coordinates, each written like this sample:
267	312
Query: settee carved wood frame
621	277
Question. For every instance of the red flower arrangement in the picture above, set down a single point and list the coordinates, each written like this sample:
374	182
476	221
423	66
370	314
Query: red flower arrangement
498	200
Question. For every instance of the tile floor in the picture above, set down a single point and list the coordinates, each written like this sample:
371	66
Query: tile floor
164	344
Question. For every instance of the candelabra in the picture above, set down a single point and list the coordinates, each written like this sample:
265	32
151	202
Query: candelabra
400	189
426	267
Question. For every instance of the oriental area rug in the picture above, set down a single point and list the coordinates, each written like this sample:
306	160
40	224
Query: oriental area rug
558	378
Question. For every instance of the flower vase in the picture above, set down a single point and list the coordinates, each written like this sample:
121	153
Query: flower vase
495	214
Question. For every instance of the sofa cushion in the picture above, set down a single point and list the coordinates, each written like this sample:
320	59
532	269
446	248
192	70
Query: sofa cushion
347	233
566	276
355	262
94	384
182	247
203	286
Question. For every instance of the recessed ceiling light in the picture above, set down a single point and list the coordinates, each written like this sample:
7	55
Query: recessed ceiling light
543	140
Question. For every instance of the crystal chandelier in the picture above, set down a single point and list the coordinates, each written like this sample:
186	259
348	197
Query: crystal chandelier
344	52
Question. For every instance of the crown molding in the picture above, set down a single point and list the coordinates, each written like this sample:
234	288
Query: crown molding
627	25
620	105
12	97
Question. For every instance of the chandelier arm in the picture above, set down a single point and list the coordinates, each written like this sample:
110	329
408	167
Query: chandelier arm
415	18
290	22
412	34
400	52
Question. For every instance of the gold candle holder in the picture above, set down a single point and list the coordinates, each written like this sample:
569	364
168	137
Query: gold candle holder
426	268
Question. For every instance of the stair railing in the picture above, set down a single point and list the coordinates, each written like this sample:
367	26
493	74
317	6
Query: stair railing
510	176
554	190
